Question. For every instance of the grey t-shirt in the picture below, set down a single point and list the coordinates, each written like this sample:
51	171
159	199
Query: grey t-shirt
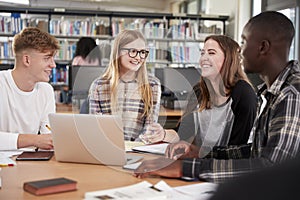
214	126
228	124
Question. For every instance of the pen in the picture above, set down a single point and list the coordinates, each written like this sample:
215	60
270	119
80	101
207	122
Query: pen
48	127
36	149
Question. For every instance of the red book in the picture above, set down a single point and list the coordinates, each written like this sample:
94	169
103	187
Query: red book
50	186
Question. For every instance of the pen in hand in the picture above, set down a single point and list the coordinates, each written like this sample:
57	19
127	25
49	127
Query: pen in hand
48	127
36	149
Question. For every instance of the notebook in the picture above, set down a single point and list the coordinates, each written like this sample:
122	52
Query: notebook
94	139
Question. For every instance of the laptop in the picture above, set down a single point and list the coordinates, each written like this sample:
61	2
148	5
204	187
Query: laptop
93	139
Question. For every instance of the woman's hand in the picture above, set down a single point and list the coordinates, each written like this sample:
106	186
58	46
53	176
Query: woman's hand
154	133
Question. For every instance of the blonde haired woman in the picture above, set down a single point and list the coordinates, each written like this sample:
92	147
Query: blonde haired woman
126	89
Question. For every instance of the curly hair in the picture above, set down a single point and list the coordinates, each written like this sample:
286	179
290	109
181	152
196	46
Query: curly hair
34	38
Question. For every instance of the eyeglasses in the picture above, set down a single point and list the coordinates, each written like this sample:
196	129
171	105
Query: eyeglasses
134	52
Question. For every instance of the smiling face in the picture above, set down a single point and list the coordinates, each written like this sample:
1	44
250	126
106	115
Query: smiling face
40	65
212	59
129	63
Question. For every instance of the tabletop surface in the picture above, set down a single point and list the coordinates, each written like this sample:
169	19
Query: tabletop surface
89	178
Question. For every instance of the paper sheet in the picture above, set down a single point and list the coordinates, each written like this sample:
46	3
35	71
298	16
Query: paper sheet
142	190
132	166
152	148
129	145
5	162
197	191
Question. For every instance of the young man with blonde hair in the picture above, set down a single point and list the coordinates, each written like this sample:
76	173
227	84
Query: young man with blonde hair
26	97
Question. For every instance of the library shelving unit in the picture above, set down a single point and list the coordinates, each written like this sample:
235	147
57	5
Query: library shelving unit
173	39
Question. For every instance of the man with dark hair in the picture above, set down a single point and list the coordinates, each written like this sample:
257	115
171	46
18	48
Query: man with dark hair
276	130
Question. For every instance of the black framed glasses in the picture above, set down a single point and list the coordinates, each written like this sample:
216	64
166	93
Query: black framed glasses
134	52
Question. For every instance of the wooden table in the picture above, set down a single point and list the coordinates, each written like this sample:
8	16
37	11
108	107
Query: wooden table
89	177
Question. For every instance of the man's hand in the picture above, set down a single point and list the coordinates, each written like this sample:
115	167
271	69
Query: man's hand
160	167
182	149
42	141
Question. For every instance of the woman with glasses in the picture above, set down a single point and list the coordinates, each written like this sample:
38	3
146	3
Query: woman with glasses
125	88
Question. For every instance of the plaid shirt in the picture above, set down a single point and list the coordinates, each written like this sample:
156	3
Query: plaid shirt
129	104
276	132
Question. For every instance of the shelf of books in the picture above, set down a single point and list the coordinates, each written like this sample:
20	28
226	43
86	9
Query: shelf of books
173	40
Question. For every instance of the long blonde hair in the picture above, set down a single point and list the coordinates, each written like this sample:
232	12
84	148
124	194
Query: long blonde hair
231	71
112	72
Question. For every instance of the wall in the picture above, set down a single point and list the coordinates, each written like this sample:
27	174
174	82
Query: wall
279	5
239	12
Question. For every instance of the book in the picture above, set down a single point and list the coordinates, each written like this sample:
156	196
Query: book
35	155
50	186
142	190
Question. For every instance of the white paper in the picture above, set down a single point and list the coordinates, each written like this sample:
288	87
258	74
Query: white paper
131	144
5	161
132	166
142	190
10	153
199	191
152	148
163	186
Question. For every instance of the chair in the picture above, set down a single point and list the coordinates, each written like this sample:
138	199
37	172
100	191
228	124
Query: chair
84	108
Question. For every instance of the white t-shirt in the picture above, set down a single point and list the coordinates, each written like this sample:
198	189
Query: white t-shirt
23	112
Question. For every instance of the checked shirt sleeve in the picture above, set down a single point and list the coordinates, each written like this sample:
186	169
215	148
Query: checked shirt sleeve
276	138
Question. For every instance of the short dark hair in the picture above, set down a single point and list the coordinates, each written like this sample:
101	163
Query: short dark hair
85	46
269	21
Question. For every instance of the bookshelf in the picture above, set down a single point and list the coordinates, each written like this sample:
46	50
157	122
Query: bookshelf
172	39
